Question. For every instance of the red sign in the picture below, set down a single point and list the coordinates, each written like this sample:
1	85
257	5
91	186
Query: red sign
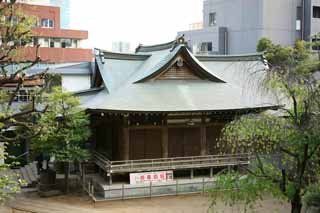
154	177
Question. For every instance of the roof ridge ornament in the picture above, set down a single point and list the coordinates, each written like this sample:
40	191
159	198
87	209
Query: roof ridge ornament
179	41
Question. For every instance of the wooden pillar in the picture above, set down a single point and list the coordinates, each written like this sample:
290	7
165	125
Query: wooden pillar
126	143
211	172
124	148
164	142
110	179
203	137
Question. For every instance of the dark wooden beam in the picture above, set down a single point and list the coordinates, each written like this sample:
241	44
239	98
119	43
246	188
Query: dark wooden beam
165	142
203	136
125	153
126	144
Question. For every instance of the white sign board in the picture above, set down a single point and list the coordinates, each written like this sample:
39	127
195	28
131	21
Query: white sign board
154	177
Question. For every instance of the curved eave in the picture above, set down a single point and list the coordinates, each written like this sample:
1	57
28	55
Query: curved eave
158	47
88	91
244	57
123	56
190	60
224	111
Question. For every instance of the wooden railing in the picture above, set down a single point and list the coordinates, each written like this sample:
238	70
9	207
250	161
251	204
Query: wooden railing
208	161
103	162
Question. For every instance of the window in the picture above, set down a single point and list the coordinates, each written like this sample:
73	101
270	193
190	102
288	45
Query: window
74	43
43	42
299	18
23	96
57	42
206	47
47	23
212	19
315	44
51	43
46	42
316	12
209	46
65	43
35	41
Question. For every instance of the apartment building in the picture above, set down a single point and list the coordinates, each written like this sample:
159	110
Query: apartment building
58	49
235	26
57	45
65	12
64	9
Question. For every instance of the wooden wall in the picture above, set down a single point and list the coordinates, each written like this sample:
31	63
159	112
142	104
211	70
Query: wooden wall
184	142
133	143
107	136
145	144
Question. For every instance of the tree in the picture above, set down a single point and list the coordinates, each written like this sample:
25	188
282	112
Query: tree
9	183
16	123
64	129
285	148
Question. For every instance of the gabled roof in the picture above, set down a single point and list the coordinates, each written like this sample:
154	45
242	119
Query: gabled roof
158	47
226	83
170	58
84	68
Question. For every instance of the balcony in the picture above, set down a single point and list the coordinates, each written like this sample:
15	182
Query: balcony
56	55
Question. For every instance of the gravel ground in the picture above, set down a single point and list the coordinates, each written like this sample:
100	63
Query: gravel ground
172	204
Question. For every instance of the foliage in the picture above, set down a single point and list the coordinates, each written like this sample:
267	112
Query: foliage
285	146
264	44
312	196
16	123
64	128
234	188
15	35
10	183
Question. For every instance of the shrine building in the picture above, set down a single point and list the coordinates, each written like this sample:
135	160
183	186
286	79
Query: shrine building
163	108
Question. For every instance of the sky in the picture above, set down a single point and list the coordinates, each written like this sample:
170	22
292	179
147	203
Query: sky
136	21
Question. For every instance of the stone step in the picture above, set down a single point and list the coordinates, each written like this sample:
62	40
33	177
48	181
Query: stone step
16	174
25	176
34	168
31	174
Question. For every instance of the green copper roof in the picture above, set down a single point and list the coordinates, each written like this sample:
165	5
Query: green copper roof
230	83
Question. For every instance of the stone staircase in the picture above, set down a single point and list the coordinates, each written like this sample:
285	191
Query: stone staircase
29	174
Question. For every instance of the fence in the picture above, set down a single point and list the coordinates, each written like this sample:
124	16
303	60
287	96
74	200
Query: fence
124	191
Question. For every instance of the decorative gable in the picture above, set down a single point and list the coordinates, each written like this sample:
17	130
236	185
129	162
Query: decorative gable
179	70
178	64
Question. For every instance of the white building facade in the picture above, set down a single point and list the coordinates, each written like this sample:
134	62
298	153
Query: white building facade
235	26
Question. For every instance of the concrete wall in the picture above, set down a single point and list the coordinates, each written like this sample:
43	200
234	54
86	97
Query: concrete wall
315	22
247	21
73	83
198	36
279	21
242	19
